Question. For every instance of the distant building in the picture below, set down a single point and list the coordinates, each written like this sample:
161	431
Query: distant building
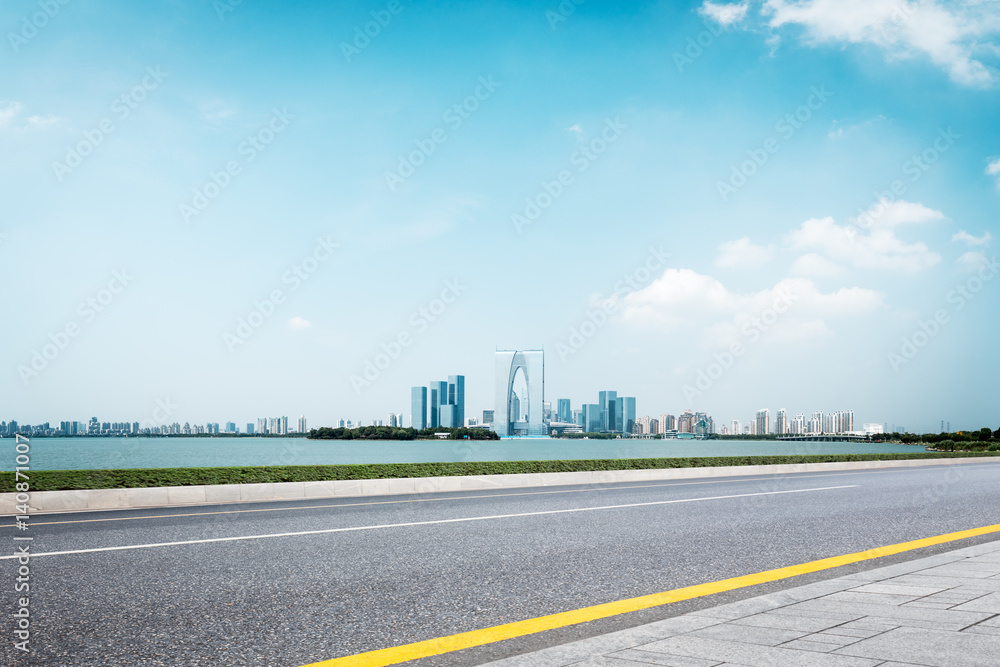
593	418
300	425
563	411
874	429
530	365
627	414
249	428
418	407
781	422
763	422
488	417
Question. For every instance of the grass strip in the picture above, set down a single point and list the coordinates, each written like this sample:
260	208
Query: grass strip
63	480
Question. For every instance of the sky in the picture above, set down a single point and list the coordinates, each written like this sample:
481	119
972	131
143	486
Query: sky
250	209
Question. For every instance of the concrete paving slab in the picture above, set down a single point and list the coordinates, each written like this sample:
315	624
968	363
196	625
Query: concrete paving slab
748	634
650	658
786	622
988	603
748	654
928	647
890	588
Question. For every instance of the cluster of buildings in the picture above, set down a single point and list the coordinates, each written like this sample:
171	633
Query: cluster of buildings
840	422
442	404
264	426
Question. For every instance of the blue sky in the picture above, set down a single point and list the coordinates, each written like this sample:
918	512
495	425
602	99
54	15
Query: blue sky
746	141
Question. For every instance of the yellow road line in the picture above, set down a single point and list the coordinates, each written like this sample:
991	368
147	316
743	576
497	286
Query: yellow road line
464	640
739	478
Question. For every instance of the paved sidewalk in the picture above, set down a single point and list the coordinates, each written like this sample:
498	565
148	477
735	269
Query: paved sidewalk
943	610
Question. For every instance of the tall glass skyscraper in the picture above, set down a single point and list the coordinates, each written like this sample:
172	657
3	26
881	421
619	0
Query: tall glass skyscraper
530	364
456	397
418	407
563	412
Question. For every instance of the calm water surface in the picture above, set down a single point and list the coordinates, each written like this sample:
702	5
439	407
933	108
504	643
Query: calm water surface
97	453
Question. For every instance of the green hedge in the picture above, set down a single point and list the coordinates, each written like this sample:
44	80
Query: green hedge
58	480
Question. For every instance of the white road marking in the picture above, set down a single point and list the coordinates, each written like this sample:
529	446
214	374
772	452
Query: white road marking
423	523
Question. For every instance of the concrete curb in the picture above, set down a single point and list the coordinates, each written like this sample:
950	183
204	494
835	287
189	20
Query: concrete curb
182	496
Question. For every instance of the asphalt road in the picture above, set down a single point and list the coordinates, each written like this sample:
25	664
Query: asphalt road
406	570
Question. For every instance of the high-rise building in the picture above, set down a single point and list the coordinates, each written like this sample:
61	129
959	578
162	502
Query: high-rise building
646	424
418	408
667	423
488	417
529	364
449	416
563	411
456	397
627	414
607	400
736	428
654	427
249	428
781	422
439	396
300	425
763	422
685	423
593	418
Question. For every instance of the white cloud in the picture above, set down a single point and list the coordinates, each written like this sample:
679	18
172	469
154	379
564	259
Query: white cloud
7	112
878	249
812	265
742	253
837	131
948	35
724	14
41	121
684	298
885	213
972	240
299	323
993	169
576	129
971	261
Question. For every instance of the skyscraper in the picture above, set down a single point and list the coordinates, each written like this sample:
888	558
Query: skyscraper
529	364
607	400
781	422
627	413
763	422
593	418
300	426
456	397
418	407
563	411
439	397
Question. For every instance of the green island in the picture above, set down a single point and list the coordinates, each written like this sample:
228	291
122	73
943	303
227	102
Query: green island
61	480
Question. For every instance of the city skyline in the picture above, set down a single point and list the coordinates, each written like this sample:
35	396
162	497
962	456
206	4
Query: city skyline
710	206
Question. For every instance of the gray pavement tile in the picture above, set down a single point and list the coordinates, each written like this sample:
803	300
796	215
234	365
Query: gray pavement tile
831	638
928	647
984	630
742	608
748	634
895	615
749	654
856	633
992	557
890	588
787	622
964	570
811	646
649	658
872	598
949	581
987	603
834	618
868	625
930	605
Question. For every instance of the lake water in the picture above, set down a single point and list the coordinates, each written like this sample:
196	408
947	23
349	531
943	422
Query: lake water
103	453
